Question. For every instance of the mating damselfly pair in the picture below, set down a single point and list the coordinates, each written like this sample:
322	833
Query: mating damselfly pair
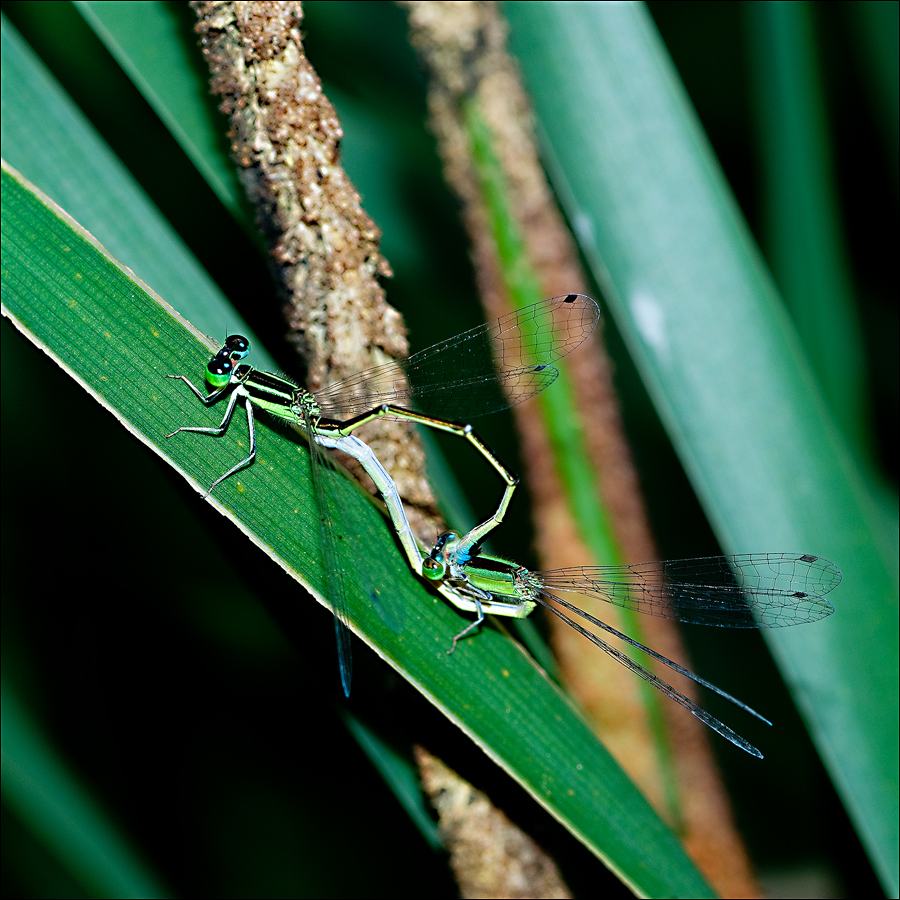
481	371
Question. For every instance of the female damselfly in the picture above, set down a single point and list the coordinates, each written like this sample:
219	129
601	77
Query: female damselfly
750	590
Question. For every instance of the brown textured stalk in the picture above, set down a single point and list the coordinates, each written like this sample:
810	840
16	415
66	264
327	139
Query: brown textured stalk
285	139
464	47
490	856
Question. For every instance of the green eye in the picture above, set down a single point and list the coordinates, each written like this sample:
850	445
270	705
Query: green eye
218	372
432	569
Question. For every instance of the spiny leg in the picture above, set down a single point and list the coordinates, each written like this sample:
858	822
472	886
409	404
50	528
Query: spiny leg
206	398
471	626
252	432
222	427
478	534
211	398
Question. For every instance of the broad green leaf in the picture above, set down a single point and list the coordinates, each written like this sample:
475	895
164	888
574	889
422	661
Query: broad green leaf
67	295
725	369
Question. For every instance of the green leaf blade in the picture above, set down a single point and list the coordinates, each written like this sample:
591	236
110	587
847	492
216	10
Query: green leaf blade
99	323
726	370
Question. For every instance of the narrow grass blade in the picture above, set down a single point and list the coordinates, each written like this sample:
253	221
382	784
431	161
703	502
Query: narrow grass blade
725	369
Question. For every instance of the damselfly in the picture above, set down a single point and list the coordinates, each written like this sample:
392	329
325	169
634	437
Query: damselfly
480	371
751	590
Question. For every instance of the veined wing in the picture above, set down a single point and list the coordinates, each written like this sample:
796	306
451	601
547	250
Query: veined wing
650	677
335	588
480	371
750	590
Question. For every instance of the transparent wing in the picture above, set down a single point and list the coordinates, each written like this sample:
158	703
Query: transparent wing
480	371
653	679
335	588
750	590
